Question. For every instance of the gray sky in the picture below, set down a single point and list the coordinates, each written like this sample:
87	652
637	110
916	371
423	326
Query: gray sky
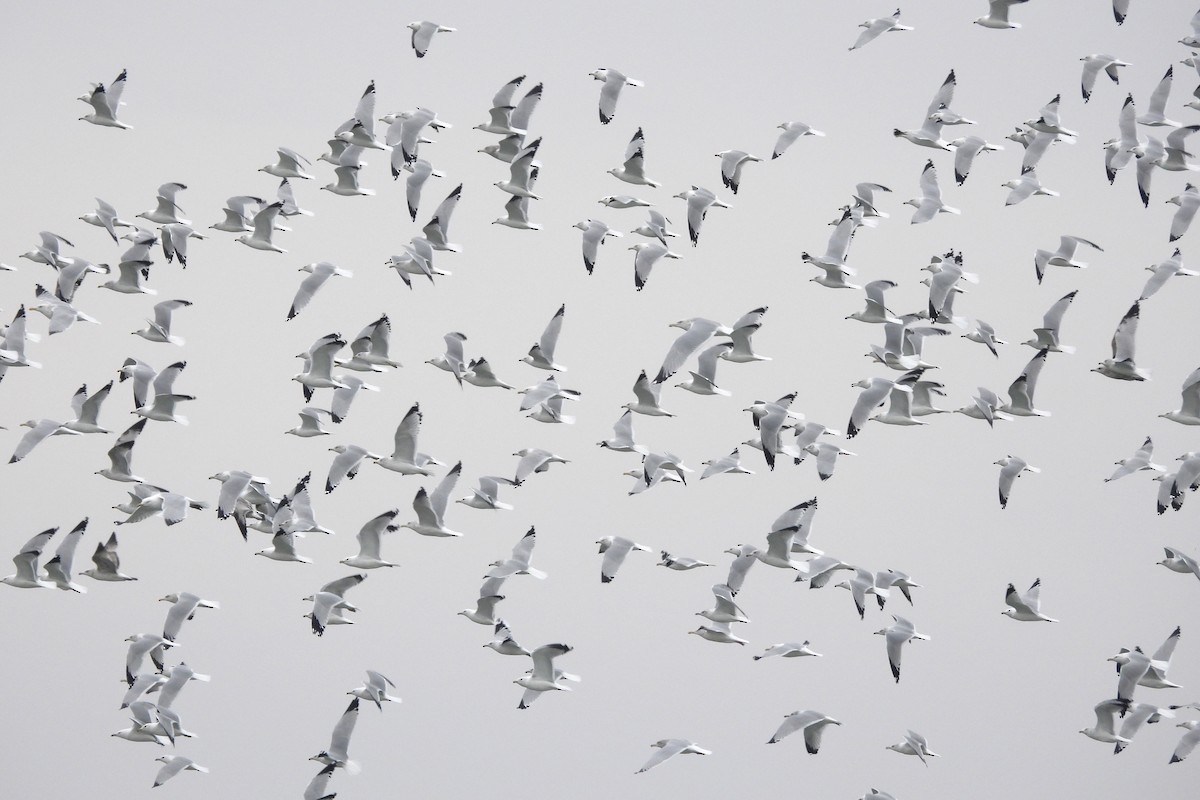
211	94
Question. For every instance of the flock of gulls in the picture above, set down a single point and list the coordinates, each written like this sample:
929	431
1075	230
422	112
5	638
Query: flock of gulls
702	357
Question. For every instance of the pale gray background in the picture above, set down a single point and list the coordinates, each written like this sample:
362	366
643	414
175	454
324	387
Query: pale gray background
214	89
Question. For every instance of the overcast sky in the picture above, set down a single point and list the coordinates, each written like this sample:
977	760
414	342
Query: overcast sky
213	91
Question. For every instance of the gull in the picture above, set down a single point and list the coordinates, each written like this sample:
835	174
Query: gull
1011	469
167	210
162	406
26	561
922	398
930	132
1187	742
1064	256
172	766
421	171
289	165
697	331
997	16
1047	120
283	548
369	540
731	463
914	744
319	366
779	549
507	148
732	162
345	465
486	496
504	643
791	132
541	355
347	182
319	272
655	227
544	676
263	228
404	458
646	398
811	722
522	172
622	201
835	252
484	612
876	311
614	82
900	403
1188	201
310	423
622	438
1132	666
71	272
39	429
287	198
820	570
12	348
681	563
1025	187
1179	561
699	200
147	501
1140	460
1155	116
105	216
788	650
370	347
422	35
718	632
595	233
897	635
336	754
239	485
48	252
417	259
874	391
1092	66
518	562
744	558
517	215
770	419
105	102
800	518
1026	607
317	786
328	602
876	27
1117	152
615	548
159	329
669	748
430	508
1121	366
985	334
1160	663
1047	336
724	609
965	150
647	255
1171	155
479	373
183	607
1020	391
541	393
128	280
1189	411
406	131
827	455
656	467
375	689
1141	712
437	230
534	460
633	170
1163	272
108	564
860	585
523	111
500	115
140	645
120	453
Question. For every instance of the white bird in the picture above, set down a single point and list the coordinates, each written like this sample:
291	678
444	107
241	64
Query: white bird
523	172
615	549
541	354
680	563
669	748
283	548
346	464
731	464
310	423
1188	201
876	311
1140	460
914	744
39	429
422	35
697	331
504	643
813	724
105	216
647	255
1104	730
543	677
183	607
997	16
646	398
791	132
1188	412
788	650
328	602
369	538
1064	256
484	612
897	635
633	170
437	230
699	200
1047	336
319	272
518	562
336	754
141	645
289	165
1026	607
172	766
622	440
375	689
930	132
534	460
874	392
105	103
1179	561
876	27
26	561
260	238
159	329
622	201
1121	366
430	508
732	162
1020	391
108	563
965	150
1155	115
1188	742
479	373
1163	272
724	609
718	632
595	233
487	495
614	82
1011	468
404	458
1092	66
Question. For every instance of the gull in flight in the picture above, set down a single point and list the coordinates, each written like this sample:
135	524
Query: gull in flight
518	562
646	398
1020	391
615	548
263	229
878	26
328	603
681	563
595	233
534	460
1188	412
697	331
788	650
421	171
1188	741
26	561
929	204
1179	561
1140	460
375	689
105	216
452	360
1163	272
487	495
172	766
914	744
1026	607
622	438
897	635
1064	256
319	272
39	429
699	200
1011	468
1092	66
647	255
346	464
997	16
422	35
813	724
431	507
791	132
718	632
1121	366
724	609
437	230
336	754
369	538
504	643
731	463
543	677
183	607
732	162
404	458
1188	201
633	170
614	82
541	355
669	748
966	149
500	114
1104	730
108	563
370	347
105	102
479	373
159	329
1155	116
930	132
290	165
1047	336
